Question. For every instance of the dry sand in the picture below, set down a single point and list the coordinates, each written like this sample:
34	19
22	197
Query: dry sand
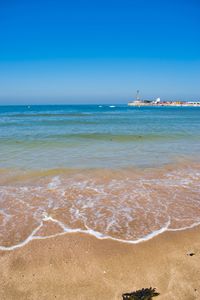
78	266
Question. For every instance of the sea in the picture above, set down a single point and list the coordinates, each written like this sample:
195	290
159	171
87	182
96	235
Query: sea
111	171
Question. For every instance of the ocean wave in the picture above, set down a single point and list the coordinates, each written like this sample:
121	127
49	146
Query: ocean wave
120	138
127	205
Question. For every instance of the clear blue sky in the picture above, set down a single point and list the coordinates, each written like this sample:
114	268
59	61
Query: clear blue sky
60	51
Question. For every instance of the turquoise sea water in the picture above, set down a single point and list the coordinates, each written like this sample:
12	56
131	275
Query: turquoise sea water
111	171
92	136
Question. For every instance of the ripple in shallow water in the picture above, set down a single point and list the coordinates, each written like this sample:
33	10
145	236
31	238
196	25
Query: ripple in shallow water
126	204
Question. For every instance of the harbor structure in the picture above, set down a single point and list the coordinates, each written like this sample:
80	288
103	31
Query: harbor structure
157	102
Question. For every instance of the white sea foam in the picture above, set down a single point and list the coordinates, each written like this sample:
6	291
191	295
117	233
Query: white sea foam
23	243
88	231
91	232
125	209
54	183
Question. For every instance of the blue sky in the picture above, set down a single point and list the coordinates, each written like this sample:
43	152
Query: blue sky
98	51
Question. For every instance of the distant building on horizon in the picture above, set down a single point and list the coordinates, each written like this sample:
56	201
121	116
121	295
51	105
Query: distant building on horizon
157	102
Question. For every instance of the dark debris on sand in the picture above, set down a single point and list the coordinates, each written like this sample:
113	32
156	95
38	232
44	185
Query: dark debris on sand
143	294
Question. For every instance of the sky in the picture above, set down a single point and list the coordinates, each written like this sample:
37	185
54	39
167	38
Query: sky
98	51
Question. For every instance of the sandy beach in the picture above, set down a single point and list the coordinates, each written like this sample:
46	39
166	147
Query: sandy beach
99	150
79	266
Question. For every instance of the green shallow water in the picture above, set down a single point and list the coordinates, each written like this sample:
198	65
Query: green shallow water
90	136
119	172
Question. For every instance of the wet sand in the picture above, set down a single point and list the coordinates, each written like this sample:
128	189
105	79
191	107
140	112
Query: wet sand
126	204
79	266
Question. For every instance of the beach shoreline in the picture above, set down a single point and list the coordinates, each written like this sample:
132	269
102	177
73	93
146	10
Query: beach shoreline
80	266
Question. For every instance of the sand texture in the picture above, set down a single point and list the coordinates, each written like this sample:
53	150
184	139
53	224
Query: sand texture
79	266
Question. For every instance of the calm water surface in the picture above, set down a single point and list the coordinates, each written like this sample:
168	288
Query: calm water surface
121	172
